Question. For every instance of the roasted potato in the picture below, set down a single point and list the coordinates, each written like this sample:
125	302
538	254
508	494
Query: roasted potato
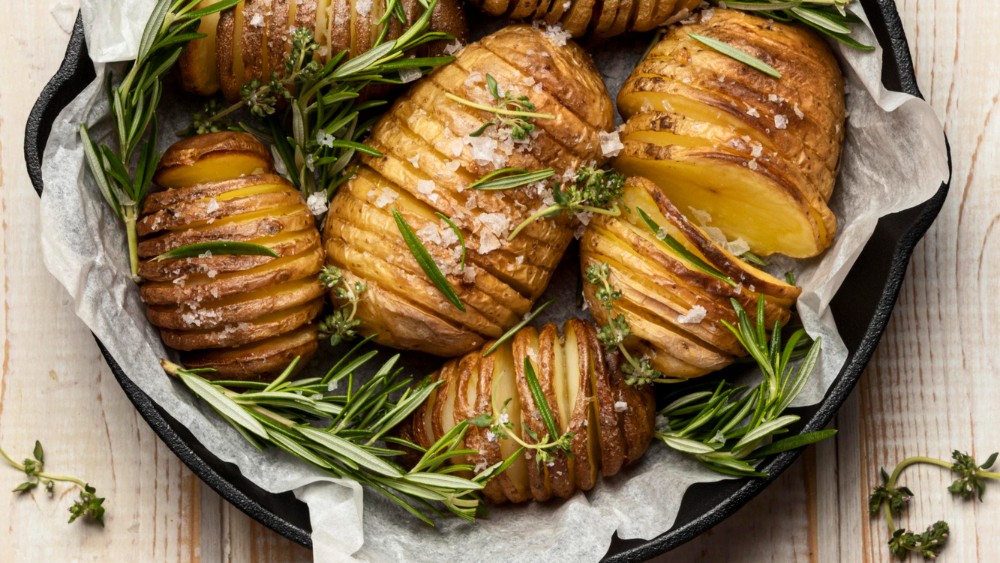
246	316
611	423
674	309
605	18
757	155
254	38
428	161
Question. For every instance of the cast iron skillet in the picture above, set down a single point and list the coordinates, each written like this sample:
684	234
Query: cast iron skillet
861	308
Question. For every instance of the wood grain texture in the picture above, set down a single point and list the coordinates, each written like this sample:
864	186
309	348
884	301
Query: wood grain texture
930	388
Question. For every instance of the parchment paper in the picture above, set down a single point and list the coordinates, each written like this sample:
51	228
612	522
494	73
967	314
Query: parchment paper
894	158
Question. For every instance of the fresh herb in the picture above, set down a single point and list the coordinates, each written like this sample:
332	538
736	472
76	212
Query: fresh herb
730	429
736	54
499	424
638	371
348	433
205	121
679	249
508	178
830	17
892	499
515	113
790	278
458	233
426	261
215	248
89	506
514	329
753	259
133	113
591	191
339	326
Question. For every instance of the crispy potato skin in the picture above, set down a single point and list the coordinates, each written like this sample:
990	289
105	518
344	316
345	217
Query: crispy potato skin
611	423
428	161
758	154
253	38
245	316
589	17
660	290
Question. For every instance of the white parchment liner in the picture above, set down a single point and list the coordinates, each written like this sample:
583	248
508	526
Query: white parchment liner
894	158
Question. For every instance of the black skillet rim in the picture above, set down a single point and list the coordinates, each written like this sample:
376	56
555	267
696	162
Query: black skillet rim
908	227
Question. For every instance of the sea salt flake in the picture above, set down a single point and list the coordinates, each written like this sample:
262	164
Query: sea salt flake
556	34
488	242
317	203
621	406
363	7
694	315
497	223
257	20
737	247
387	196
798	111
780	122
611	143
408	75
426	187
212	206
414	161
206	254
752	111
453	48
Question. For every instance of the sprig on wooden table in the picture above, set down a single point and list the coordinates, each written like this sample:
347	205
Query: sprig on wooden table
88	506
134	103
346	431
892	498
731	429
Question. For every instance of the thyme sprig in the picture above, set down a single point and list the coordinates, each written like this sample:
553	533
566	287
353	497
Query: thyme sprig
892	498
134	102
88	506
347	433
638	371
592	190
731	429
340	325
323	106
511	112
832	18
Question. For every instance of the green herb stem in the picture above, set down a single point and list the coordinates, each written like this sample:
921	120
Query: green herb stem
498	110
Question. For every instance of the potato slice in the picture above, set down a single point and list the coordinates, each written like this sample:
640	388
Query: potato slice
262	327
211	158
198	64
255	55
580	348
506	404
260	360
552	368
279	34
525	345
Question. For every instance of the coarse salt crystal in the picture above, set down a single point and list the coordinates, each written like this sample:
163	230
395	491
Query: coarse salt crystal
363	7
611	143
453	48
317	203
212	206
488	242
738	247
387	196
752	165
206	254
621	406
780	122
556	34
426	186
469	275
473	78
257	20
752	111
756	149
497	223
798	111
452	165
456	146
408	75
694	315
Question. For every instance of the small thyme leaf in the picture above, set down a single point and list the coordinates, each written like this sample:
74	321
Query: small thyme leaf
339	326
736	54
217	248
426	261
516	113
679	249
592	190
508	178
514	329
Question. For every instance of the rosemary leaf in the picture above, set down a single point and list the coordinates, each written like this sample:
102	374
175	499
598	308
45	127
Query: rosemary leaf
737	54
538	396
426	261
674	245
508	178
514	329
221	403
217	248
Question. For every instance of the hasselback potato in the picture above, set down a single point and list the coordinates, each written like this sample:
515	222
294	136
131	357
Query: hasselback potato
429	161
610	423
674	309
247	316
601	18
253	39
757	155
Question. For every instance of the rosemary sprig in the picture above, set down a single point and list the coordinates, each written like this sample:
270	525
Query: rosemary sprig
892	499
88	506
219	247
339	326
679	249
511	112
514	329
426	261
508	178
736	54
613	335
753	259
133	113
347	434
829	17
592	191
731	429
323	103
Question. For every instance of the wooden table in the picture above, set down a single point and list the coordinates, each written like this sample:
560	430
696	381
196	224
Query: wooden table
932	386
